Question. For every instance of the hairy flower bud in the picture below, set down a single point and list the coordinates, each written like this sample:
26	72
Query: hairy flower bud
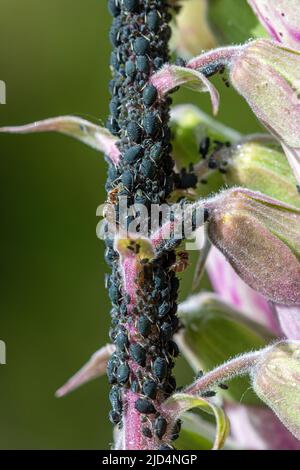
276	380
267	76
260	238
260	168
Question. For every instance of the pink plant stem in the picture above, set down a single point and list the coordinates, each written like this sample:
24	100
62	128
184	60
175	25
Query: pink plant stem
216	57
237	366
133	438
144	320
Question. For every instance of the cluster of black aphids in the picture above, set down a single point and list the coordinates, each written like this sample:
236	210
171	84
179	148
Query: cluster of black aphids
139	118
210	150
153	350
159	429
186	178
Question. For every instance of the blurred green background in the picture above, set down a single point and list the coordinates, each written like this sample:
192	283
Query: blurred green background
54	308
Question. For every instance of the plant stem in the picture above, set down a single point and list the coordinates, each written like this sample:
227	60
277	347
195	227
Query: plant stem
237	366
142	296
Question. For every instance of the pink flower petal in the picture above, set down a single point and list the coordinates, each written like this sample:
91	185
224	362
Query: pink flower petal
289	320
281	18
234	290
258	428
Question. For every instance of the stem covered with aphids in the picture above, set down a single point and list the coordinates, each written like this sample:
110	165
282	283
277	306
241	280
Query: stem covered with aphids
143	295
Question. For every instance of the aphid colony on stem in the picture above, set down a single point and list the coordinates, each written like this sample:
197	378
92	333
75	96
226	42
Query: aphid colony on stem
143	323
256	233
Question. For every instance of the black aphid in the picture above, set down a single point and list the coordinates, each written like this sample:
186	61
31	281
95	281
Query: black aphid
165	447
127	179
122	373
133	153
160	368
176	430
223	386
134	387
134	131
137	353
115	399
204	146
151	124
208	394
166	331
122	340
113	106
131	5
141	45
148	168
160	426
147	432
114	417
188	180
113	7
149	388
173	349
153	20
144	325
149	95
142	64
114	293
130	68
163	309
144	406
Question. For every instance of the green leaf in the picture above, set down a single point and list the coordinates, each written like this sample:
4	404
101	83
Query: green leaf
233	21
276	380
181	402
214	333
261	168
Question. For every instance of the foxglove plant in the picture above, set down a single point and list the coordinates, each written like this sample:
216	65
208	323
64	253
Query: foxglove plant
253	225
